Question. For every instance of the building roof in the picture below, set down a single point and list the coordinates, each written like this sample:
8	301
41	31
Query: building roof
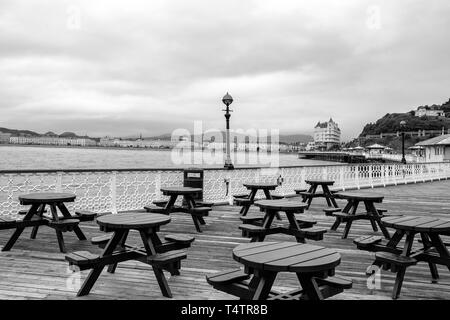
440	140
376	146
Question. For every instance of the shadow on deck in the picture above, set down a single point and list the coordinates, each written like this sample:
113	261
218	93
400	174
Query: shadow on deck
35	269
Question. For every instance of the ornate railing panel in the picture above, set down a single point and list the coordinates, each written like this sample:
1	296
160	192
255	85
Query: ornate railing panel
119	190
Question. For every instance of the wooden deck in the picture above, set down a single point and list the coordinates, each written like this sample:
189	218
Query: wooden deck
35	269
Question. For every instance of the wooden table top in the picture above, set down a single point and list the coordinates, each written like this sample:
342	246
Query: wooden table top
46	197
180	190
418	224
323	182
286	256
361	196
261	185
281	205
133	220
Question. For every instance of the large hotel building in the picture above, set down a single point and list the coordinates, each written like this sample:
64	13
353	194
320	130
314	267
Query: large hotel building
327	135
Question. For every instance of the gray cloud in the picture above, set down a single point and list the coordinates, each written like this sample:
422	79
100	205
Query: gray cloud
123	67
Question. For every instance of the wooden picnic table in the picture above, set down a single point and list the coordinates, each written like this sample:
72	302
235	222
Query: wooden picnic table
116	250
311	264
312	192
35	217
189	206
254	187
432	249
291	209
350	214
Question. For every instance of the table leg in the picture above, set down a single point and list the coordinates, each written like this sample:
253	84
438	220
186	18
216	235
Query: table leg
261	284
313	191
329	196
269	197
59	234
427	245
338	221
112	267
310	190
309	286
370	207
440	246
31	212
96	271
267	222
159	274
169	205
66	214
294	225
40	213
348	225
402	270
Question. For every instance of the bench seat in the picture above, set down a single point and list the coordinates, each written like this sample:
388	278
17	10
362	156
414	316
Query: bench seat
170	257
241	196
306	222
310	194
365	242
329	211
160	203
7	223
86	215
204	204
251	219
154	209
242	202
180	238
297	191
335	281
201	211
394	259
82	259
64	225
101	240
227	277
314	233
251	229
345	216
277	197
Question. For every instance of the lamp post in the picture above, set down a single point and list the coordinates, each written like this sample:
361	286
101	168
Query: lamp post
402	128
227	100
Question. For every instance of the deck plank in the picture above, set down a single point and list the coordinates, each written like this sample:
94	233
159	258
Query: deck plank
35	269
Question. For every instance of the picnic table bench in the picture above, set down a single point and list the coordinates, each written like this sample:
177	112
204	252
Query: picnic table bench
312	193
246	201
160	255
35	217
300	227
313	265
391	256
350	214
198	211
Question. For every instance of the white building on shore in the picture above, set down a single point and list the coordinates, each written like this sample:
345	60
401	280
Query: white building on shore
56	141
327	135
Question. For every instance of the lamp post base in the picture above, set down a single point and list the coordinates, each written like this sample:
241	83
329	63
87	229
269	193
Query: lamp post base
228	165
403	161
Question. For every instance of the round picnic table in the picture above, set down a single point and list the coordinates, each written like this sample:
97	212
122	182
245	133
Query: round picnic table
433	251
35	217
349	213
265	259
326	193
271	209
120	224
189	203
254	187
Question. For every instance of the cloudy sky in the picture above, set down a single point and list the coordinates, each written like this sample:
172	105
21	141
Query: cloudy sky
125	67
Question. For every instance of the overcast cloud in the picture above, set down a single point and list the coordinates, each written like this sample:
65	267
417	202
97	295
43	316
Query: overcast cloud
128	67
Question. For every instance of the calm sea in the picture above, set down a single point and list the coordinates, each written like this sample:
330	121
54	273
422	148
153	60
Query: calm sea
19	158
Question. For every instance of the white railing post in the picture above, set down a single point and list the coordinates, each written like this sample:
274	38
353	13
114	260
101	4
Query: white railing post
371	175
113	189
357	176
59	181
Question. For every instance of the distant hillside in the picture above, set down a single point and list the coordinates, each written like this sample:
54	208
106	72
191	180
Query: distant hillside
391	122
18	132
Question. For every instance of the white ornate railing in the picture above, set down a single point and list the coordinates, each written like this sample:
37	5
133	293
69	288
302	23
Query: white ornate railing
119	190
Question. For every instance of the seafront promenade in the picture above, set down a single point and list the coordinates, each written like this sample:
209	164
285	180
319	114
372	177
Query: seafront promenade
35	269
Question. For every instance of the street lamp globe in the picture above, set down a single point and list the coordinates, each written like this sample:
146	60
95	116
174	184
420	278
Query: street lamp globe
227	99
402	123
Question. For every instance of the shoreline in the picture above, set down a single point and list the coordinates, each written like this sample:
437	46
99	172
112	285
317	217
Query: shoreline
107	148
